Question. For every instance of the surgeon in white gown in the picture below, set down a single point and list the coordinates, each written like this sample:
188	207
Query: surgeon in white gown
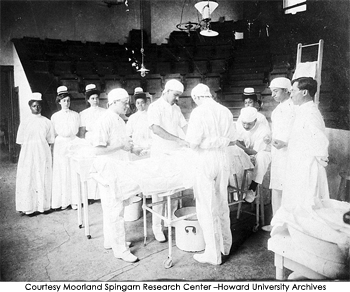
110	141
168	126
210	131
250	99
282	118
254	138
307	158
88	120
34	170
66	125
305	183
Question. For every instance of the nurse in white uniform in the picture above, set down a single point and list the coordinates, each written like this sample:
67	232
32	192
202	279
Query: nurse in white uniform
137	126
66	125
210	130
34	171
88	119
89	116
168	125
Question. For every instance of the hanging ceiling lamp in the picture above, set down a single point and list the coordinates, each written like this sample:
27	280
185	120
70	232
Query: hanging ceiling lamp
187	26
143	69
205	8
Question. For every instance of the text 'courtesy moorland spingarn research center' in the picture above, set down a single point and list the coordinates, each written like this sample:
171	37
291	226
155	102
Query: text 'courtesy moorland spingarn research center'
217	286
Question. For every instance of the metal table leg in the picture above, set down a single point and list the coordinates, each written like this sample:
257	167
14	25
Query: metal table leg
80	219
86	210
144	219
168	263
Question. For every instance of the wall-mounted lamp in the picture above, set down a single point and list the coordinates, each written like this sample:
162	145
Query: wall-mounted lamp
205	8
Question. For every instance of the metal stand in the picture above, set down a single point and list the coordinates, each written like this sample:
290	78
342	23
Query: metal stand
168	263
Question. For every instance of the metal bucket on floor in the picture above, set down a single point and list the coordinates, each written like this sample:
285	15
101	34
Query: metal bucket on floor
132	212
188	233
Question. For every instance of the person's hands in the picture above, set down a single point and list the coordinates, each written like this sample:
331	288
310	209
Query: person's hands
323	160
127	145
267	139
183	143
252	159
144	152
232	143
278	144
137	150
240	144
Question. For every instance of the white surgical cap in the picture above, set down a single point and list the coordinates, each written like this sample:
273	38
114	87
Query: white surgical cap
248	114
201	90
175	85
36	96
117	94
62	89
280	82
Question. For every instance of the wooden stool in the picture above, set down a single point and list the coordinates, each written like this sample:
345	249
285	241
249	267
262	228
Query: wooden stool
344	187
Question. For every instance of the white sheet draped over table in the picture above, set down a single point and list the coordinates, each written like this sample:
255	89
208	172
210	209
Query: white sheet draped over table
171	171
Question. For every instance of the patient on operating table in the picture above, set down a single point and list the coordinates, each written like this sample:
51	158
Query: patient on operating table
254	138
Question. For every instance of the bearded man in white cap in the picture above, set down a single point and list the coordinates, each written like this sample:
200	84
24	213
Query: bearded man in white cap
210	131
168	125
111	141
282	118
255	141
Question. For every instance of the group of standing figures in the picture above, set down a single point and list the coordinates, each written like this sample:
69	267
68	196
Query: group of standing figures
44	176
297	149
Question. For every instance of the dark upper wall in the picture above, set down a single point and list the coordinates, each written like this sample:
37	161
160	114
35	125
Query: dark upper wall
91	21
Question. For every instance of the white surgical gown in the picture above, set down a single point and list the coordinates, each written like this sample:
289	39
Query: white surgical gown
261	119
170	118
254	139
34	171
110	130
211	128
64	181
305	175
282	118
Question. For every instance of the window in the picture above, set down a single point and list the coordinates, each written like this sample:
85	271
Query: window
294	6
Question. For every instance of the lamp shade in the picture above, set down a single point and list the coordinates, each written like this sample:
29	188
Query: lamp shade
209	33
206	8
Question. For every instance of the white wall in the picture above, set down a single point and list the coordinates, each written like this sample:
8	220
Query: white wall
25	91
